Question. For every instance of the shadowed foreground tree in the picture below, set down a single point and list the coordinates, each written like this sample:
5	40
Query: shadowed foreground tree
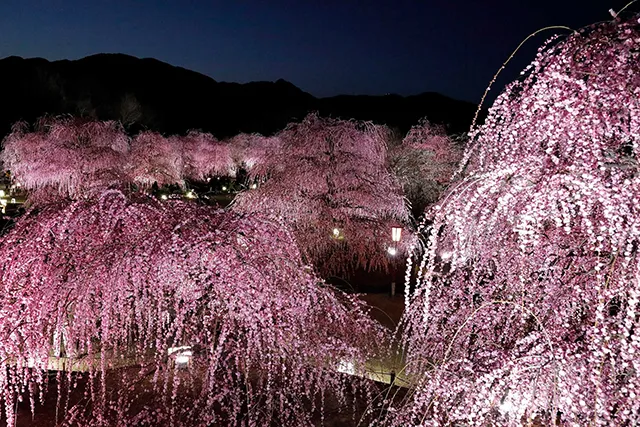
127	287
526	306
330	182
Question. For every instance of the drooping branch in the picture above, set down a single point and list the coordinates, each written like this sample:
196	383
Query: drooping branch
119	280
424	163
526	305
75	157
329	181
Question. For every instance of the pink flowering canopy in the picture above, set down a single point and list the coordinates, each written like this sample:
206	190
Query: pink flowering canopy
67	154
251	152
424	163
526	305
73	156
113	281
329	181
204	156
97	278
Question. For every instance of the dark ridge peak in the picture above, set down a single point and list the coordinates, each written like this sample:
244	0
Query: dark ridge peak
109	55
12	58
20	60
286	84
116	60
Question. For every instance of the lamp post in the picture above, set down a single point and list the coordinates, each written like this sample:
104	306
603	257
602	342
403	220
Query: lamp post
396	234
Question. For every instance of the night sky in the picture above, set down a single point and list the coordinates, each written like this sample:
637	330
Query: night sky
324	47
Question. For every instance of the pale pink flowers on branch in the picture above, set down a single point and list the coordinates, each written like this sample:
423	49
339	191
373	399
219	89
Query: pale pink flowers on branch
204	156
424	163
122	281
526	305
77	157
252	151
154	158
328	180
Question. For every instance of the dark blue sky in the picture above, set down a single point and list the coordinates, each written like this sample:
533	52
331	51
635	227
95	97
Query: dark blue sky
324	47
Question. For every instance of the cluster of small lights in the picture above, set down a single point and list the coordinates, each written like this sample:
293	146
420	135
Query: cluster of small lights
346	367
5	200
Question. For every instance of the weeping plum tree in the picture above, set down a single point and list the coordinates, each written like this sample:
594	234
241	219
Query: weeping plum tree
251	151
330	182
204	156
69	154
424	162
121	285
526	308
74	155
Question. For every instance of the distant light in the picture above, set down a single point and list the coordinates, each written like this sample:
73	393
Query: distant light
346	367
396	233
392	251
13	200
164	197
224	188
2	193
337	234
182	355
31	362
254	186
209	179
172	350
183	358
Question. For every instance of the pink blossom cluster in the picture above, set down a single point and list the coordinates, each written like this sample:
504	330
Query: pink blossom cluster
424	163
251	151
115	282
76	156
526	307
329	181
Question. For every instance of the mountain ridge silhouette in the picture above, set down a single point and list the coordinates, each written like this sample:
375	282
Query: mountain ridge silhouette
146	93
